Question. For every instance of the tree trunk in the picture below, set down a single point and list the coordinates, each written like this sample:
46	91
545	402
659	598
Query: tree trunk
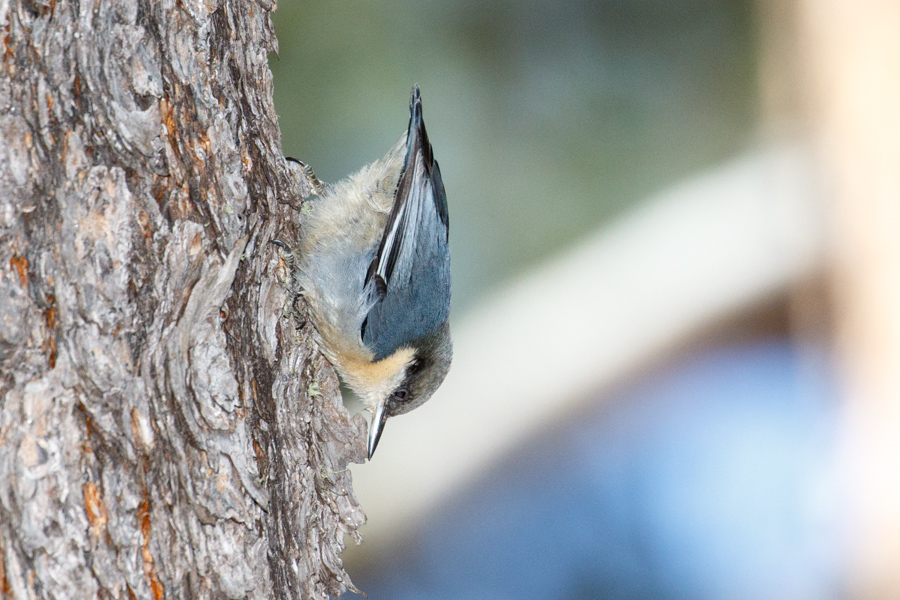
167	427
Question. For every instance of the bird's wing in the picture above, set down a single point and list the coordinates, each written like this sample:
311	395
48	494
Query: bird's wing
410	273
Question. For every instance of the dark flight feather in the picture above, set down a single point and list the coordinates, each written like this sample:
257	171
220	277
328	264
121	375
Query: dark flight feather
410	273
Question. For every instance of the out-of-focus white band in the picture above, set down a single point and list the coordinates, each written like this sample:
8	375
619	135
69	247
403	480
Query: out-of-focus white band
532	350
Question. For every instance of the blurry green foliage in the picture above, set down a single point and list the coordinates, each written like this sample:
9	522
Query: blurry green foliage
548	117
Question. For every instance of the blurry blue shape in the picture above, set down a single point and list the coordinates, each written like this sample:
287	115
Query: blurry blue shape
713	480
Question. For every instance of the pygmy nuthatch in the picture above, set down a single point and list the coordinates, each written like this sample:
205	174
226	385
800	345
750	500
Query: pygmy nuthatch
374	267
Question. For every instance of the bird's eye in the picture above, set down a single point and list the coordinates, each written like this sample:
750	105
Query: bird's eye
401	394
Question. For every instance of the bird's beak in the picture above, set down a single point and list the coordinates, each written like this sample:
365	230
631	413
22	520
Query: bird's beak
376	427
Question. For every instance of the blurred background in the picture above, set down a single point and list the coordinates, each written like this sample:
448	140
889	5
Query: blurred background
675	230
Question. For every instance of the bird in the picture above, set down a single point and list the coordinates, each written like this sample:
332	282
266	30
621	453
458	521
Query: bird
374	268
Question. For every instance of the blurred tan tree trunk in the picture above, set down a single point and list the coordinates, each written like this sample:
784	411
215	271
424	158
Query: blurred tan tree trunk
833	68
852	53
167	429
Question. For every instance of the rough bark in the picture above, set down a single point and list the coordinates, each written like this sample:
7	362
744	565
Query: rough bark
167	427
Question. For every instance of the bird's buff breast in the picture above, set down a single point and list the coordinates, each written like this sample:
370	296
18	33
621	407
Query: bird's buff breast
371	380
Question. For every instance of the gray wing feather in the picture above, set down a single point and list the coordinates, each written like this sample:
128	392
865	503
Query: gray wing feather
410	274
